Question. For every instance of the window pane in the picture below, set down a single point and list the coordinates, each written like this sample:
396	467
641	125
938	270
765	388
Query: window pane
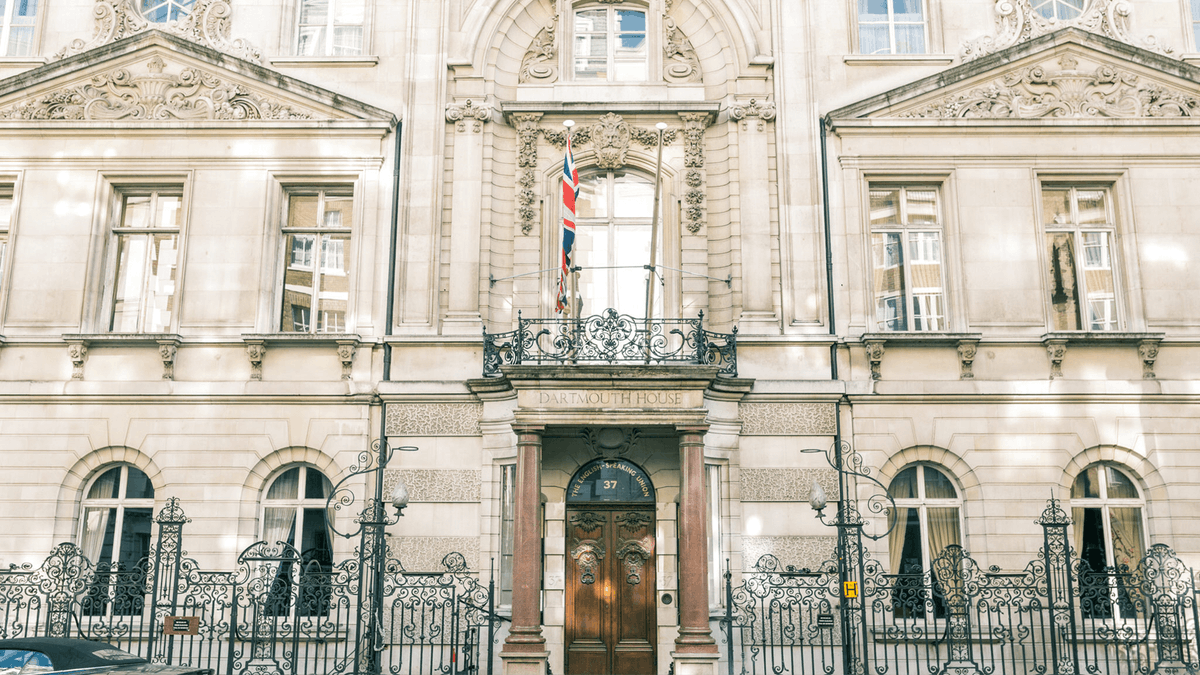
298	283
315	542
507	508
1091	206
633	197
632	250
943	530
1127	536
287	486
1119	485
20	40
135	535
904	485
885	207
161	290
311	41
335	283
349	12
872	10
908	11
99	528
347	40
302	211
591	56
1064	291
593	197
138	485
168	211
132	252
26	10
338	211
904	542
315	485
874	39
1095	249
1056	207
1087	485
630	21
887	250
105	486
921	207
591	250
137	211
937	485
314	12
591	21
910	39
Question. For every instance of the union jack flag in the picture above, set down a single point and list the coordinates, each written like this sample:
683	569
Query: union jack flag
570	194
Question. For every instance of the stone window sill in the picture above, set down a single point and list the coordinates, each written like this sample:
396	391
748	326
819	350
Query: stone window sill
325	61
21	61
898	59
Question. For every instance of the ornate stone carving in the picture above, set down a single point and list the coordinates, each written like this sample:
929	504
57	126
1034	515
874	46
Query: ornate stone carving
966	358
801	552
1099	90
433	419
610	136
680	63
1148	353
527	160
207	24
436	485
541	61
785	484
694	125
190	94
764	112
346	349
426	554
1056	349
634	553
255	351
874	356
468	116
587	554
78	353
610	442
788	419
167	350
1017	21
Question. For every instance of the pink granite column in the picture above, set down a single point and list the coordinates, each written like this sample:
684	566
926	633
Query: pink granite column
695	637
525	639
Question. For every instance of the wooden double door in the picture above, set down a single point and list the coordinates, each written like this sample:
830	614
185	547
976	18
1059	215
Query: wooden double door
610	586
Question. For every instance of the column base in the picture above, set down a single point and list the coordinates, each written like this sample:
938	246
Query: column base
524	663
695	664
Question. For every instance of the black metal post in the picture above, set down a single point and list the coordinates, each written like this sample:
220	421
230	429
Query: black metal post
729	614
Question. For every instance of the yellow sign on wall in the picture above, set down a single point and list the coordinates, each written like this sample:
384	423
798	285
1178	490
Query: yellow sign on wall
850	589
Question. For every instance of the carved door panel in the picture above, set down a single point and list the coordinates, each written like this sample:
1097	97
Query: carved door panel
610	614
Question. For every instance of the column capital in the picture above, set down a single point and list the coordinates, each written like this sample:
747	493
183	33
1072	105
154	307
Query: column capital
468	115
537	429
691	429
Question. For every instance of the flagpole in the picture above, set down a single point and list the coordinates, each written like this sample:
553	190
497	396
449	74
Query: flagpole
650	278
570	282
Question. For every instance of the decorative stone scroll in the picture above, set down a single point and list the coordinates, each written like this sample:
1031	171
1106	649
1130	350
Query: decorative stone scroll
1069	91
764	111
1056	349
680	63
167	349
190	94
527	149
77	351
468	116
540	64
788	419
783	484
610	138
433	419
207	24
256	349
874	350
966	358
346	349
1148	353
694	125
1017	21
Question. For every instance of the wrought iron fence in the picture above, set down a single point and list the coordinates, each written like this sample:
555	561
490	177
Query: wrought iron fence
1054	616
278	612
610	337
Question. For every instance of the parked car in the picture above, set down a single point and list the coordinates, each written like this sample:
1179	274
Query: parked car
30	656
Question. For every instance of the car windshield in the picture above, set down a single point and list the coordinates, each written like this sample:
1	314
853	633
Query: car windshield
23	662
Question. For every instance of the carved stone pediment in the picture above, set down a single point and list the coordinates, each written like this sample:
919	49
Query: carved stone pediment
1069	74
1069	86
1018	21
161	78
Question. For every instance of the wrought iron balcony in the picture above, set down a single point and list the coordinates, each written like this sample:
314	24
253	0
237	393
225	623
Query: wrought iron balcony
610	337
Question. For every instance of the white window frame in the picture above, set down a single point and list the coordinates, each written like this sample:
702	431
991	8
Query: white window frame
99	315
1115	300
275	248
6	26
905	230
653	44
926	27
922	504
120	503
327	51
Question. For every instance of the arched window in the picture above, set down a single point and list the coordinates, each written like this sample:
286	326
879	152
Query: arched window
118	511
1107	534
162	11
926	520
1062	10
294	513
612	242
610	44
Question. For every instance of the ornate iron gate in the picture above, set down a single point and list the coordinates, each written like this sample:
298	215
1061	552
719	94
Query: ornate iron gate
274	613
1055	616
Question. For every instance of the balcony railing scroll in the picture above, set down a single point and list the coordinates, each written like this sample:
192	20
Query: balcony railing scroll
610	338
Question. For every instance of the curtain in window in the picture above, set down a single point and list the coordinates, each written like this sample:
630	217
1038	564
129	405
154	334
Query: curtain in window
279	525
898	523
1127	536
95	529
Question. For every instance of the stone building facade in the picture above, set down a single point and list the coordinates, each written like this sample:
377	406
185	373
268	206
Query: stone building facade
957	236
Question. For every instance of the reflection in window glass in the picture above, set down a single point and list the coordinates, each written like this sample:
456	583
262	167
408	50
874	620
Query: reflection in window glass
610	44
906	249
18	23
331	28
1061	10
162	11
1108	536
146	249
926	520
613	250
316	282
1079	252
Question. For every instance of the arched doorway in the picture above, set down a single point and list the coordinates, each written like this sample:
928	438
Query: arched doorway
611	622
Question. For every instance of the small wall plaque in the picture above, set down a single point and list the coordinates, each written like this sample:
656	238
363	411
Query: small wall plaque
181	625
